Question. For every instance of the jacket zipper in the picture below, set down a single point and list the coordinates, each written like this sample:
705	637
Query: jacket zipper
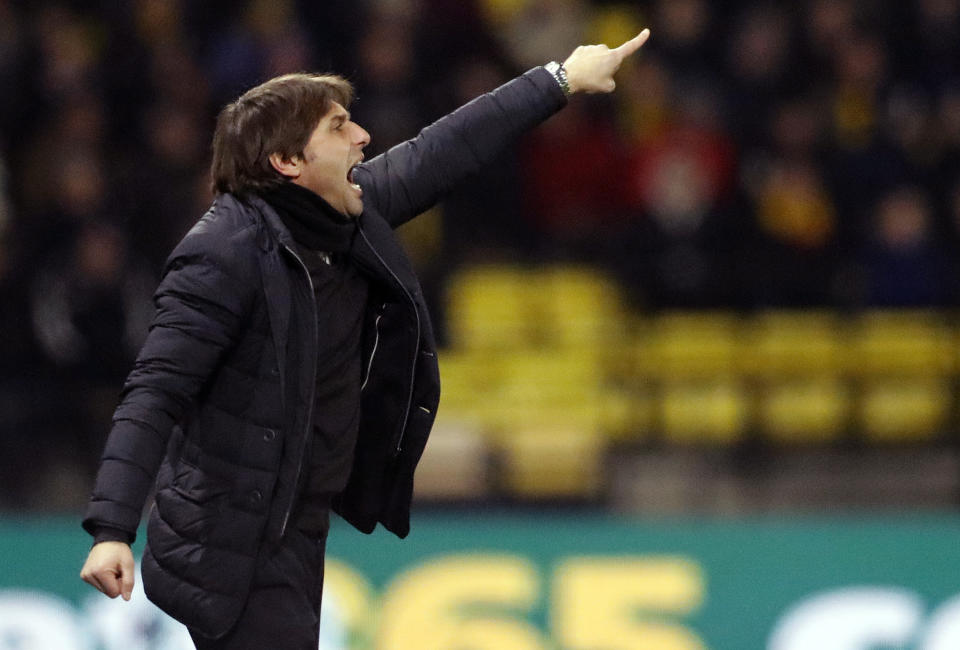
373	352
306	437
413	365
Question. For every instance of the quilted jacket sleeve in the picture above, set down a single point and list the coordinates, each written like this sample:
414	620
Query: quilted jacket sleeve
414	175
201	303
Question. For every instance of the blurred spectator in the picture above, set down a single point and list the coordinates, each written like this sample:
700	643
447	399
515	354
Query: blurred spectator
828	25
684	29
74	192
90	307
758	56
865	159
332	27
261	43
448	36
69	52
14	106
796	249
163	193
790	257
860	69
678	184
544	30
935	42
573	181
644	99
287	47
949	236
679	175
903	264
947	130
909	124
798	128
176	79
387	104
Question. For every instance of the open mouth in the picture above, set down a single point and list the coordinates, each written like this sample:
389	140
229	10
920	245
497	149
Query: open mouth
350	178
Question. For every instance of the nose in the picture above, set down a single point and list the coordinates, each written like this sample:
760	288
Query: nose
361	137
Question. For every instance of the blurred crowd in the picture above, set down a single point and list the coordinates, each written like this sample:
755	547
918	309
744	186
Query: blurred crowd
756	154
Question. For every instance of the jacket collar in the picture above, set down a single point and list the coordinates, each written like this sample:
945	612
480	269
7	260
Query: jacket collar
394	270
270	219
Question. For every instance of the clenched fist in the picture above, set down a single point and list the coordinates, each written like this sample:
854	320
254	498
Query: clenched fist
109	568
590	68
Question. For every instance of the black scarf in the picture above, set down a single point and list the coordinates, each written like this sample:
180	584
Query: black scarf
313	222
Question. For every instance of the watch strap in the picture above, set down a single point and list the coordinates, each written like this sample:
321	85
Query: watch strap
560	74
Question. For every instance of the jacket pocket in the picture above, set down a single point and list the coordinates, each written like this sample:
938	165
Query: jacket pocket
192	502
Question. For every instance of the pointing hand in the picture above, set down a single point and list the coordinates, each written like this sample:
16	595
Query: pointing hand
590	68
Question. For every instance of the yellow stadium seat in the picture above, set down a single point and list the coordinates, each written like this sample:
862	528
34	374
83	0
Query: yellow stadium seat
580	307
788	344
552	462
548	388
805	410
795	362
903	362
492	308
688	363
468	381
504	308
904	410
628	394
626	412
681	345
899	343
704	412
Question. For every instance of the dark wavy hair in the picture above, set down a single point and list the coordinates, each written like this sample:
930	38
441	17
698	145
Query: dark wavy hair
278	116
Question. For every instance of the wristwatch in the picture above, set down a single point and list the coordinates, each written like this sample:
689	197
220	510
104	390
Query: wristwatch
560	74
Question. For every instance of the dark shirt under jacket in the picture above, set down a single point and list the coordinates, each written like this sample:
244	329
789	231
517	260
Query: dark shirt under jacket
341	295
323	237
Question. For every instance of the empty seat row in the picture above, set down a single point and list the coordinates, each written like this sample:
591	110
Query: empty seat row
547	368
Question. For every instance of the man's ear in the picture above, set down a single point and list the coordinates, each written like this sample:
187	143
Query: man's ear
289	167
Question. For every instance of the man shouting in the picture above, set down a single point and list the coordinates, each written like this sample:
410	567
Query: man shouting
290	368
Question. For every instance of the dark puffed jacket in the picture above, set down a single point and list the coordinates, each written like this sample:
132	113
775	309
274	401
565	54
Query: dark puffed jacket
216	413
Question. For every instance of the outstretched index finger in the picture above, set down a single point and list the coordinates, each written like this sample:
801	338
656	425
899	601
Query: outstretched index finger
633	44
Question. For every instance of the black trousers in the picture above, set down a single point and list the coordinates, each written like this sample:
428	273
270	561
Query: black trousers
283	609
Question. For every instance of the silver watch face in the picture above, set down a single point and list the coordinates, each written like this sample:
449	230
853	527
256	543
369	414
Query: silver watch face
552	68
